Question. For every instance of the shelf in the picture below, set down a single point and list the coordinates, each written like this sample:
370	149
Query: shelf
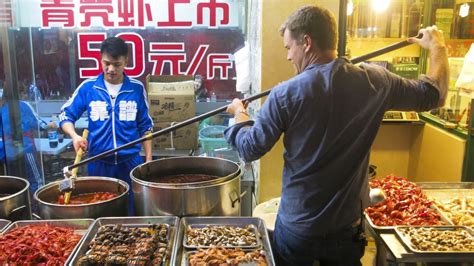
438	122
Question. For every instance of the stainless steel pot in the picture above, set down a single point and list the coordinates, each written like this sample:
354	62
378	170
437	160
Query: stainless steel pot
217	197
46	195
16	205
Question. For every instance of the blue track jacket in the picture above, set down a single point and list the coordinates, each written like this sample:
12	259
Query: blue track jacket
110	125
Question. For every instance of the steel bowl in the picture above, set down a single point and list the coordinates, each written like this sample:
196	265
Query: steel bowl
216	197
16	205
118	206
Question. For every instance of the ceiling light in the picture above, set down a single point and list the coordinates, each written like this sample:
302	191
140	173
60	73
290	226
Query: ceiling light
380	5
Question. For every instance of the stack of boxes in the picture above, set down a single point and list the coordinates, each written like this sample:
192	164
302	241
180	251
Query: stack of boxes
171	100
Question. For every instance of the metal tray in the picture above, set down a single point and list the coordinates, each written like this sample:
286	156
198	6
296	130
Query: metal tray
448	193
251	227
378	228
189	253
262	234
406	239
81	227
445	185
3	224
171	221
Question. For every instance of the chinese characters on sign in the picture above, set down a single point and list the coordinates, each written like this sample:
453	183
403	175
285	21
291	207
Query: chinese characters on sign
159	53
135	13
166	37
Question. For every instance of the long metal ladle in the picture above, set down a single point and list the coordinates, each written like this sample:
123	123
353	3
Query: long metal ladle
201	117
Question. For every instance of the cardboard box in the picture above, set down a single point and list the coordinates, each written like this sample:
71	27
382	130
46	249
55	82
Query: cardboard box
183	138
171	98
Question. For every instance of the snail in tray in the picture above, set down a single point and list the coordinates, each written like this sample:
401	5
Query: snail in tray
439	240
121	245
221	236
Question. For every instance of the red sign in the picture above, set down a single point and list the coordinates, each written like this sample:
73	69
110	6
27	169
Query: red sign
137	13
159	54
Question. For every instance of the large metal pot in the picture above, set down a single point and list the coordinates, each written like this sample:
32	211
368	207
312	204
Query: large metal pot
217	197
46	195
16	205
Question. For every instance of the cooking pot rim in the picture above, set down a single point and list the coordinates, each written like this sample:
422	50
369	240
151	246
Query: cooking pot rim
27	183
212	182
186	187
84	178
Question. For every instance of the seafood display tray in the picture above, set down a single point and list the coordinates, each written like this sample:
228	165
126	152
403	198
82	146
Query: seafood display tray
251	227
3	224
378	228
171	221
263	241
246	250
406	239
80	226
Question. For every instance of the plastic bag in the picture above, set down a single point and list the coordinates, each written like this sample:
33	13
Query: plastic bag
465	82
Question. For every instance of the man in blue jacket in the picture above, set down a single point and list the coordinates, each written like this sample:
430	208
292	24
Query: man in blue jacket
117	109
9	150
329	115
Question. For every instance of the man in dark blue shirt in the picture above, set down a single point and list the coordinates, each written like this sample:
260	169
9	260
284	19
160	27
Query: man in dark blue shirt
329	114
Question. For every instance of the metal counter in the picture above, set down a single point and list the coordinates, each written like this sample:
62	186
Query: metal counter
390	249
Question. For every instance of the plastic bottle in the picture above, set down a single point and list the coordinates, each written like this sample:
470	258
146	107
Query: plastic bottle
213	97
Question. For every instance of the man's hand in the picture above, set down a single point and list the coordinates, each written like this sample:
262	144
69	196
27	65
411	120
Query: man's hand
235	106
431	40
79	142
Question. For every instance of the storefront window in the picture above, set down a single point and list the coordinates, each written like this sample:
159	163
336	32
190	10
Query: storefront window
50	47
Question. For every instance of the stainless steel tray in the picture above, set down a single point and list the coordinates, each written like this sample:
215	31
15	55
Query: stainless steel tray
80	226
3	224
378	228
448	193
262	234
445	185
189	253
252	228
399	230
172	221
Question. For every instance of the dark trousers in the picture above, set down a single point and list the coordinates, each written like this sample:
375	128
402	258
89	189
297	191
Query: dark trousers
344	248
120	171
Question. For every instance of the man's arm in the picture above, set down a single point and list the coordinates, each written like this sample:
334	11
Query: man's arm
147	147
77	140
144	124
433	41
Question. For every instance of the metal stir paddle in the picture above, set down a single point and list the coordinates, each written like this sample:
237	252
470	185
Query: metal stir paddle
201	117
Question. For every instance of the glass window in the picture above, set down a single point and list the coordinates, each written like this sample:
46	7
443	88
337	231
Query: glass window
456	20
50	47
373	25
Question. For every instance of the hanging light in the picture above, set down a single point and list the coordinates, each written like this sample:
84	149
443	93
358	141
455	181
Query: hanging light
380	5
464	10
350	7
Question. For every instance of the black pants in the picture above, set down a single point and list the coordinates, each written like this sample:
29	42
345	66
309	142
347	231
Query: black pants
345	247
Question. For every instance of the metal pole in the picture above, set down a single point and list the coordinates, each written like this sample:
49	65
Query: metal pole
221	109
342	28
